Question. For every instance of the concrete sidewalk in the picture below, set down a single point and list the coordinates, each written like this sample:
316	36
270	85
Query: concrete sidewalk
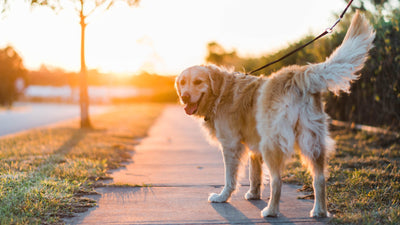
173	171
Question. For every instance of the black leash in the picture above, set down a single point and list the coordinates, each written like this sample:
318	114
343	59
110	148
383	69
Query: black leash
327	31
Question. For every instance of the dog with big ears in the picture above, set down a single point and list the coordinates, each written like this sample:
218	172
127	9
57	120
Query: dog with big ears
268	116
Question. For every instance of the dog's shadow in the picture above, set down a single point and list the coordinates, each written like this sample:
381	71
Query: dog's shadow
260	204
232	214
235	216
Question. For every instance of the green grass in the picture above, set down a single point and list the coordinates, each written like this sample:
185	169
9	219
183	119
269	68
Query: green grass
44	173
364	178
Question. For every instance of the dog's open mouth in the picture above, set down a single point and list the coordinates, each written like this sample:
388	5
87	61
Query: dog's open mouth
192	107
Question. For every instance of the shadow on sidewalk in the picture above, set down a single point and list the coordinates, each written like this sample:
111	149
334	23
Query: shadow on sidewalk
235	216
231	214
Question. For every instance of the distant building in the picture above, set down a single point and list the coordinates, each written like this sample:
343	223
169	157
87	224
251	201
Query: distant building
20	85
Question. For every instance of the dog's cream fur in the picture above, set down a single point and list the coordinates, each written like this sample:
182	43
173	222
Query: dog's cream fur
270	115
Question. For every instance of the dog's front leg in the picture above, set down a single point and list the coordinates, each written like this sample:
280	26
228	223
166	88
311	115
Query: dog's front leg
232	157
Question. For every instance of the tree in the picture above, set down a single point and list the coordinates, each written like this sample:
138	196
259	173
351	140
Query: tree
219	56
3	5
11	69
84	9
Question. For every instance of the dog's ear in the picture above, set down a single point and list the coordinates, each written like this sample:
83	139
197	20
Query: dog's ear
216	80
177	87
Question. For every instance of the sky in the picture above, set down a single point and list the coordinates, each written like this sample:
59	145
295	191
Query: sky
160	36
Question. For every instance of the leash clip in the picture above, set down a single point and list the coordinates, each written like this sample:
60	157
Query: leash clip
330	29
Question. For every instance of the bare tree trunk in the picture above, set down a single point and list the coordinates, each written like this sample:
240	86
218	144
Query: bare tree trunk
84	97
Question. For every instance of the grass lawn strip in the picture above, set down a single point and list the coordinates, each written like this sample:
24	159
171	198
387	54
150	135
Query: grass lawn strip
45	172
364	178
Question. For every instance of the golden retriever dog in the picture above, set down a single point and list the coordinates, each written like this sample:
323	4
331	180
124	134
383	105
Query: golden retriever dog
268	116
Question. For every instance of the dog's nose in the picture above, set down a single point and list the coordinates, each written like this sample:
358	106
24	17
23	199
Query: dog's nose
186	97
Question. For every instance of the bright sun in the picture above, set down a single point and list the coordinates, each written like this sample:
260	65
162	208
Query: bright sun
116	40
159	36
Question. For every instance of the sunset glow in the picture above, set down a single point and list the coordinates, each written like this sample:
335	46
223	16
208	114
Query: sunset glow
159	36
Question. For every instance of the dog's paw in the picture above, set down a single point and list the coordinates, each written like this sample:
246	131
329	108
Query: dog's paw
217	198
252	196
319	213
269	212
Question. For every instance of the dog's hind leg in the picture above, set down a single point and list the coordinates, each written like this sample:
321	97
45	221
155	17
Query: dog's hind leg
255	174
232	156
275	163
317	168
314	148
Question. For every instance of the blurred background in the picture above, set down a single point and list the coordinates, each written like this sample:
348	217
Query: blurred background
132	50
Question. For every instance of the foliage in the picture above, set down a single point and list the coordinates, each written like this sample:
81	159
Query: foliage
162	86
146	80
11	68
89	6
58	77
375	98
52	77
219	56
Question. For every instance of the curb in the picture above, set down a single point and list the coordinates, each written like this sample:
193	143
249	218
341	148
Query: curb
365	128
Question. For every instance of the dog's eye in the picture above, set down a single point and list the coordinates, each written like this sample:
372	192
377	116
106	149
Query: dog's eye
183	82
197	82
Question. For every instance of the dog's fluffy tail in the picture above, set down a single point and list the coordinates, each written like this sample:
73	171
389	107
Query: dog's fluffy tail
338	71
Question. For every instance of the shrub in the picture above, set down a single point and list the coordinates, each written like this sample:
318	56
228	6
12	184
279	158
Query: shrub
375	98
11	68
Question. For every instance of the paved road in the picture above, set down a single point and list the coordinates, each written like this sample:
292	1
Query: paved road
174	169
24	116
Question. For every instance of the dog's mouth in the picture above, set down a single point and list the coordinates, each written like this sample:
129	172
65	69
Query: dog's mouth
192	107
